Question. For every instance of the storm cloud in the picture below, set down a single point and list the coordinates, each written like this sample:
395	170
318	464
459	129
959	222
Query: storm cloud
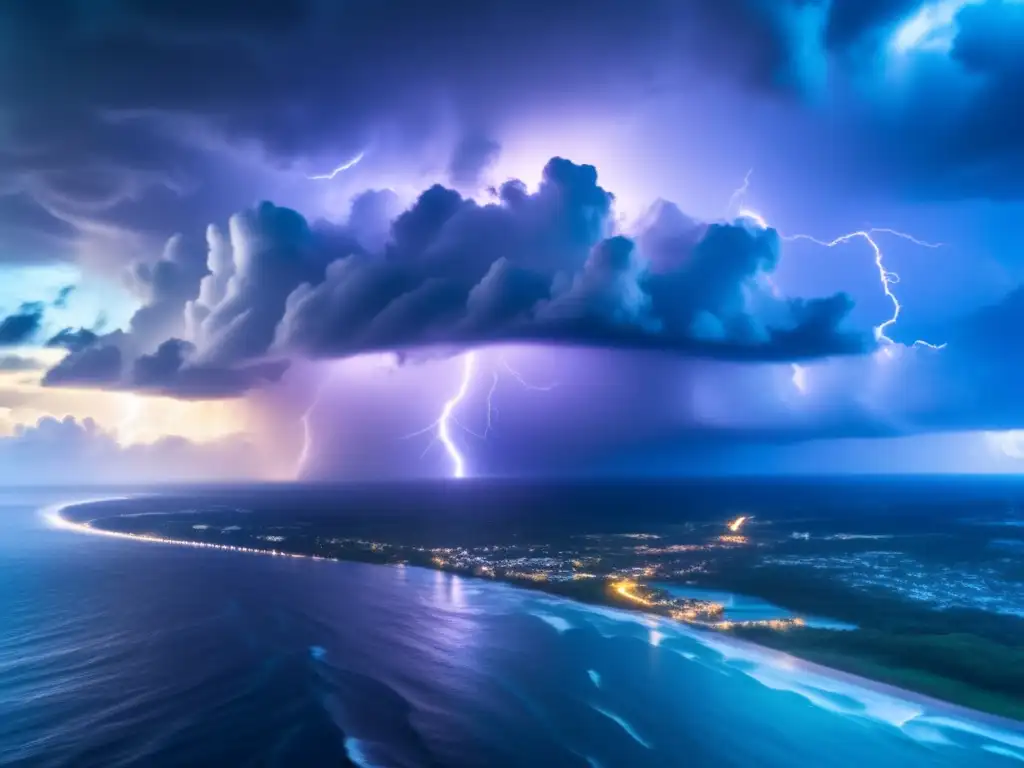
540	267
137	140
120	118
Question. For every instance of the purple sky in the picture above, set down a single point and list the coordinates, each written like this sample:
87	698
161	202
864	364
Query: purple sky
177	168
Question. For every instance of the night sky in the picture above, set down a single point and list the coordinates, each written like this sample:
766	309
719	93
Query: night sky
384	239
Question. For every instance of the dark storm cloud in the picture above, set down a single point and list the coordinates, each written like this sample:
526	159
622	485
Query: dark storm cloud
539	267
946	126
109	108
988	145
22	326
115	115
531	267
73	339
98	364
849	21
168	372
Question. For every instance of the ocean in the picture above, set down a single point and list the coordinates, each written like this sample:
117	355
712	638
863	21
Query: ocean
126	653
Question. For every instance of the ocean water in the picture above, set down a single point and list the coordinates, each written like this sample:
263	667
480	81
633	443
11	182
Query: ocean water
125	653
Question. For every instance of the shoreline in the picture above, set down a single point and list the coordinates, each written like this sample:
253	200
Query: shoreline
727	645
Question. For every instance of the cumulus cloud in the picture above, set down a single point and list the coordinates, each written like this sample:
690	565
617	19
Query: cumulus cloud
72	452
545	266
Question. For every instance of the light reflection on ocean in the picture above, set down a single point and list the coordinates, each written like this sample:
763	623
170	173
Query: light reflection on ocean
116	652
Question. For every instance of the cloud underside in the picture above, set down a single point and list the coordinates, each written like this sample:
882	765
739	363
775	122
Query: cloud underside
544	267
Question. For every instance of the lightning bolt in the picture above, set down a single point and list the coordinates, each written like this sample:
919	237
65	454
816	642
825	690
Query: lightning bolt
442	425
340	169
740	192
886	277
492	411
523	382
307	432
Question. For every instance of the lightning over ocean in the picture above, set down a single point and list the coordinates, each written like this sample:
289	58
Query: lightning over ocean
437	384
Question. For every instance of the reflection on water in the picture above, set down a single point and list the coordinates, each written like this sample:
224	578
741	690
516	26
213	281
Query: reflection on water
747	608
120	653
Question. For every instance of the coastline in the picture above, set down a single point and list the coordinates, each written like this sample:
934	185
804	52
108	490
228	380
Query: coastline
728	645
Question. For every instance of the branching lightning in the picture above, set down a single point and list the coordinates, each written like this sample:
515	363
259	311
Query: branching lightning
492	411
886	277
442	425
444	421
523	382
340	169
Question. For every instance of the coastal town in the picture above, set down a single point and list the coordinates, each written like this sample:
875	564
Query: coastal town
846	592
630	570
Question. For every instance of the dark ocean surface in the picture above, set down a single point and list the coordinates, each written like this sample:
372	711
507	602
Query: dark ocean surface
125	653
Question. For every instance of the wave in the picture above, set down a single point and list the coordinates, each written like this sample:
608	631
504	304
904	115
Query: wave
1003	752
920	718
624	725
560	624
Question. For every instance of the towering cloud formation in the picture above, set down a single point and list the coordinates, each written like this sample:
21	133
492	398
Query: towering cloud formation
543	267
